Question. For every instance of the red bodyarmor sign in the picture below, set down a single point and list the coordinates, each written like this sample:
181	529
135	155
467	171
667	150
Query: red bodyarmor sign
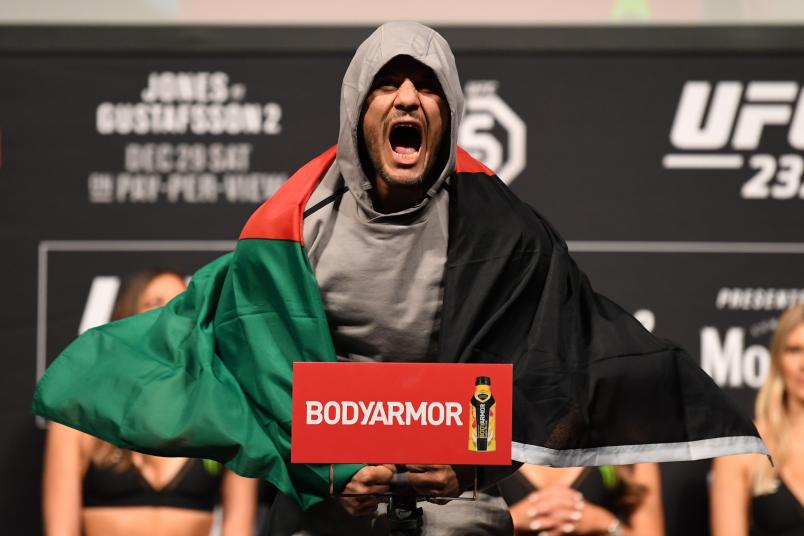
420	413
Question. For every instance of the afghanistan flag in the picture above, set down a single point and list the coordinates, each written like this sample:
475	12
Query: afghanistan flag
210	374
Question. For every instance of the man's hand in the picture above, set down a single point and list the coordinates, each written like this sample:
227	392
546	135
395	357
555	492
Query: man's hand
370	479
440	480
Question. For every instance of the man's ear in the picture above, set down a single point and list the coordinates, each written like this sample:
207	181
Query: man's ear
362	151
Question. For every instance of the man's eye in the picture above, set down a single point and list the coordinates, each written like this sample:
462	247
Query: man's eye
386	84
429	86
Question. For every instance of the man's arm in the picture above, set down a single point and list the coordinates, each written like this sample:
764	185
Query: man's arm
452	480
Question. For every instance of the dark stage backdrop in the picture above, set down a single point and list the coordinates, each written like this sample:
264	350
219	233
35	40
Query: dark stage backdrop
670	159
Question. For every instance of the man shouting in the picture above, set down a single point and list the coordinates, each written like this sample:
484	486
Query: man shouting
396	245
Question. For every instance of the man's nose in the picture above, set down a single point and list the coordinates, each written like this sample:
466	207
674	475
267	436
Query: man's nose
407	97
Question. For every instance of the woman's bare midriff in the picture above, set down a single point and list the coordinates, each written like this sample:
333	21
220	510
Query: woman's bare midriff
145	521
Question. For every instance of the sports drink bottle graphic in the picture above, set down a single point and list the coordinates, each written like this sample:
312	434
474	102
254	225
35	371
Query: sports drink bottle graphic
482	434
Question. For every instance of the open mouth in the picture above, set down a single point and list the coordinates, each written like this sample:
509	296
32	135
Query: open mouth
405	140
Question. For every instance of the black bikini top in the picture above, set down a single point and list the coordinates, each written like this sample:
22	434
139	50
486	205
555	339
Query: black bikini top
195	487
777	514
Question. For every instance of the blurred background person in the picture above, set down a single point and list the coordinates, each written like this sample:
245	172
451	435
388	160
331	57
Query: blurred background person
609	500
748	494
94	488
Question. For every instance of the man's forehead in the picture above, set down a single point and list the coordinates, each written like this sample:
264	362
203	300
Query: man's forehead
406	66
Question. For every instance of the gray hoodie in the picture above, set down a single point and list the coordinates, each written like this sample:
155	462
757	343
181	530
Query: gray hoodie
388	41
381	275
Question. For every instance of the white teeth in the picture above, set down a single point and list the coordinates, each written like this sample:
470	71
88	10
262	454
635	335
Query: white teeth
409	156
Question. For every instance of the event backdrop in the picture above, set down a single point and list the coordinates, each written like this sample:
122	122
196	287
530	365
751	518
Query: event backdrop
670	159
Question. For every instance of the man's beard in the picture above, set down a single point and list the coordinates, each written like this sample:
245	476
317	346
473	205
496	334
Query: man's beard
391	181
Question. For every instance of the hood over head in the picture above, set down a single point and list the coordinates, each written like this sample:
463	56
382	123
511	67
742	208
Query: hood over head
390	40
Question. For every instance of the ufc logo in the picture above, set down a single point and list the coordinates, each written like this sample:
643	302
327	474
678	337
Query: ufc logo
484	110
707	119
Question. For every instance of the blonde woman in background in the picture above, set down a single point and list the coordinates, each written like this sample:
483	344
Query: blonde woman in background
94	488
748	495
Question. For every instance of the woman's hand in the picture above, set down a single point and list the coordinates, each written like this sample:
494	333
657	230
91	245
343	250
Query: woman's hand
551	511
559	510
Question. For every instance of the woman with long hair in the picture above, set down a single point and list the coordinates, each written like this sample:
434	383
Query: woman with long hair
616	500
748	494
94	488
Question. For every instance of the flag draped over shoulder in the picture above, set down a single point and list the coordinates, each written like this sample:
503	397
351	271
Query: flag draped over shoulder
591	385
209	375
